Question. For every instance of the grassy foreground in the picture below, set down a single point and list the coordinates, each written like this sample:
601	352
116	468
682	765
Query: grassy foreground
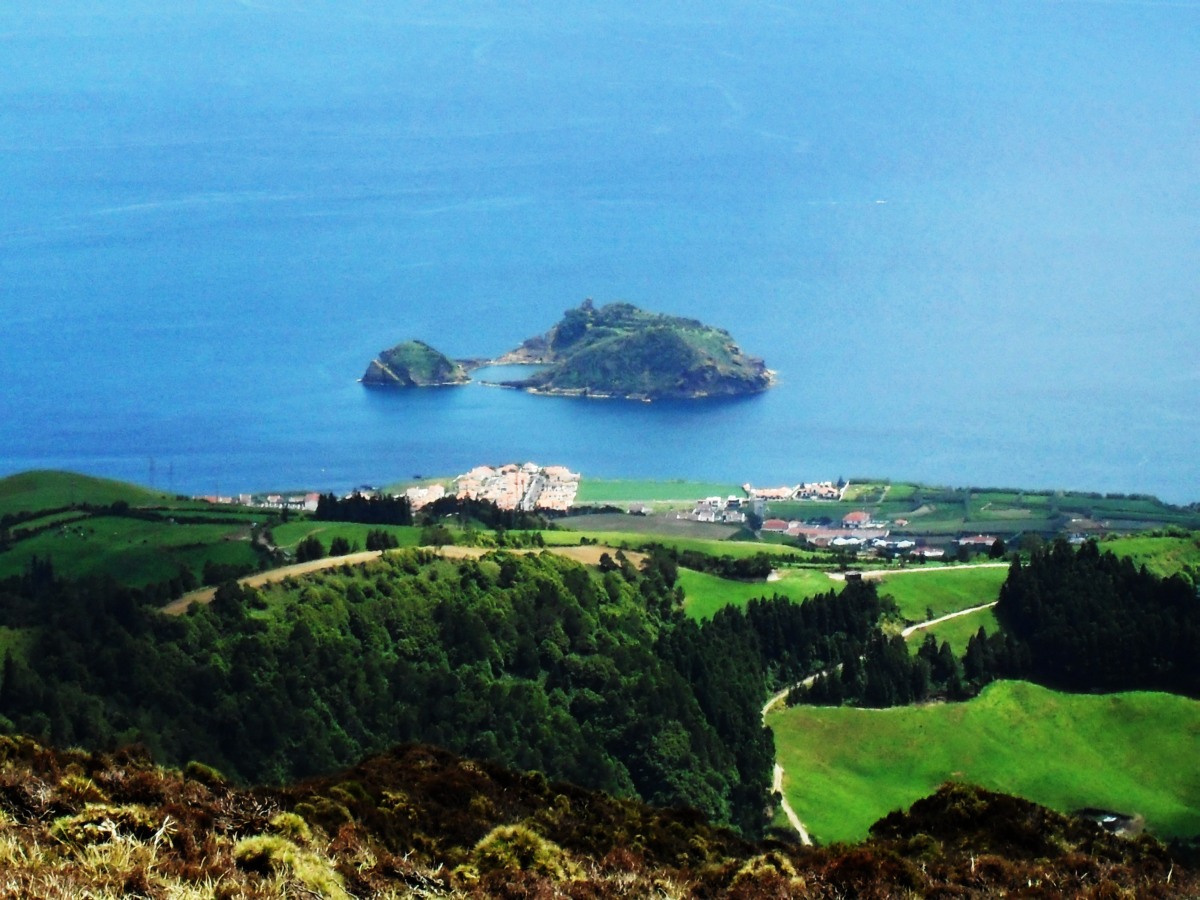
1134	753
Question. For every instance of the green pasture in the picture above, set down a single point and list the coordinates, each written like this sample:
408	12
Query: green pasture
917	590
864	492
596	490
959	631
1133	753
648	526
900	491
704	594
632	540
289	534
1164	556
133	551
51	519
46	489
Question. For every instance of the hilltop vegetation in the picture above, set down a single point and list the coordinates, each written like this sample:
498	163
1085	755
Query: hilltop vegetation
414	364
619	350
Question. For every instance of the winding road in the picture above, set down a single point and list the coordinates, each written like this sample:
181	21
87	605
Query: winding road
781	696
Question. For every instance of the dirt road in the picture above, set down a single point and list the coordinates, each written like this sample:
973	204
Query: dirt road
589	555
873	574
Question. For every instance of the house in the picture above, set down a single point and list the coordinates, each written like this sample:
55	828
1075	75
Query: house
978	541
857	519
775	525
927	553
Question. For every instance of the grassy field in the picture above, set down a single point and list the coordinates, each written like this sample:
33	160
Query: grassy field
629	539
919	590
289	534
1164	556
705	594
132	550
594	490
958	632
32	491
649	525
1133	753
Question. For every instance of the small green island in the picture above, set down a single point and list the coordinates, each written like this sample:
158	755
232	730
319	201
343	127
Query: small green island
613	351
414	364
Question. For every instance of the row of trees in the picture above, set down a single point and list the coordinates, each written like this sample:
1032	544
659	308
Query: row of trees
374	510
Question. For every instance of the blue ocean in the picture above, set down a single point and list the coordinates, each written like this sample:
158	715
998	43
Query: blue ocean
966	235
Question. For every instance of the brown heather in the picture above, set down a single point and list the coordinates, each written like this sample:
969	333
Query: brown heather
421	822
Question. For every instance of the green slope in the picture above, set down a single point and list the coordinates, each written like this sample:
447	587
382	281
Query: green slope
49	489
1134	753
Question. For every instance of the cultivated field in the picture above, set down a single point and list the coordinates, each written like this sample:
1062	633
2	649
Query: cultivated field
135	551
1162	555
289	534
599	491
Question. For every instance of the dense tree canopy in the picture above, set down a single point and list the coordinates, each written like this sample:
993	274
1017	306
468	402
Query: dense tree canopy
534	661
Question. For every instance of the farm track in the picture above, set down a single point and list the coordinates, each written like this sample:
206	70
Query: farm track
873	574
781	696
589	555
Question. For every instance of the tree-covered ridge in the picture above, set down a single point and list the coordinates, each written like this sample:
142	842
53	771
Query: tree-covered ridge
622	351
414	364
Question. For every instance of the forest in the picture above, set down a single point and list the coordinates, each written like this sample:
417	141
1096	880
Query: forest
533	661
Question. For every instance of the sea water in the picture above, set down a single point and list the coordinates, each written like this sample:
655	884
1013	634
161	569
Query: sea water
965	235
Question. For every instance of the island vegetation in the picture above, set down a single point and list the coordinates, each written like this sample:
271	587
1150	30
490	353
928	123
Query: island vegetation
619	350
414	364
614	351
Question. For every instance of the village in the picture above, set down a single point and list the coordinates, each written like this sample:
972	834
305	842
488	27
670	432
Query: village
530	487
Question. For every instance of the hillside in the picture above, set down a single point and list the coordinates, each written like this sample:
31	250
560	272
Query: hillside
421	822
1130	752
47	490
414	364
619	350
